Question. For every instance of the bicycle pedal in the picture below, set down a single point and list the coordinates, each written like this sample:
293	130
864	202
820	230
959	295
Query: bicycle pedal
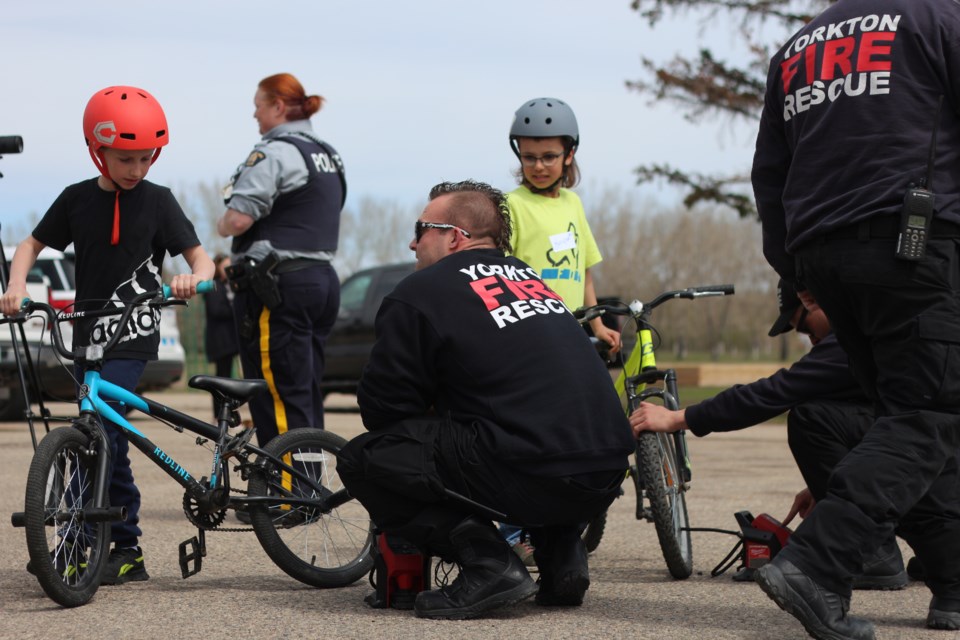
198	549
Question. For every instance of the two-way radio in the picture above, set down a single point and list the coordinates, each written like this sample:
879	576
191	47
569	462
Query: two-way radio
916	216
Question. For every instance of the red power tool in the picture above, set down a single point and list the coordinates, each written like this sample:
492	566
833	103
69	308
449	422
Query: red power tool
763	537
399	573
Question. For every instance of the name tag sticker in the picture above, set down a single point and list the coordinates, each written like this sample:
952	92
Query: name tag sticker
563	241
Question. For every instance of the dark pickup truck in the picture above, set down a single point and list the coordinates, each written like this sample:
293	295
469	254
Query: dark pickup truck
348	346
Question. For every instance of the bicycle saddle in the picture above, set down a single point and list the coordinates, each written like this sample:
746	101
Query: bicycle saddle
241	390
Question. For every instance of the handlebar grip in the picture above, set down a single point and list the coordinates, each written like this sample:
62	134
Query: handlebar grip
205	286
718	289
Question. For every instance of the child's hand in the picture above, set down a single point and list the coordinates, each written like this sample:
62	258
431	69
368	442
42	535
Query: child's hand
12	299
608	335
184	286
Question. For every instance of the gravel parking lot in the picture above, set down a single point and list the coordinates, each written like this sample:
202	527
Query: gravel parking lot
240	594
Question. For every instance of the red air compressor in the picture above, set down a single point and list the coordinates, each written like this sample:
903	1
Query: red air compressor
400	572
762	538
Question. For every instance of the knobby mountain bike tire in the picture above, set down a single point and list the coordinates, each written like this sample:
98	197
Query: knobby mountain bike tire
663	487
322	549
67	554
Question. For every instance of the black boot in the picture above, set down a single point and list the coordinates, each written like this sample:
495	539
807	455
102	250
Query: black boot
883	570
944	614
562	559
822	613
491	575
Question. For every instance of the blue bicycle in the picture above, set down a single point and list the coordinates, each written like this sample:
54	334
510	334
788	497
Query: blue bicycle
303	517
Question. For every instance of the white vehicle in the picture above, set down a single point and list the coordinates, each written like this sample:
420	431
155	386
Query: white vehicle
52	279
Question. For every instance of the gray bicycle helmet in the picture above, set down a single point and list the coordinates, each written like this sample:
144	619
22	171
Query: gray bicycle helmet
544	118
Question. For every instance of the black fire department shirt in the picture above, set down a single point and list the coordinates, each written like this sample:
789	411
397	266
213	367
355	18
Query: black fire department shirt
821	374
479	336
850	108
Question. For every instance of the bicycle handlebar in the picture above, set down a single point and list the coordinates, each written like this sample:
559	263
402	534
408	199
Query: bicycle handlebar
158	297
585	314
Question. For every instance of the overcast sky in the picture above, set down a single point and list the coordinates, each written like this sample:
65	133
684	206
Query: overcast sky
417	92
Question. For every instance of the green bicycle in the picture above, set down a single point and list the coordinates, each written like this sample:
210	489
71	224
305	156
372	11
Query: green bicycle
661	472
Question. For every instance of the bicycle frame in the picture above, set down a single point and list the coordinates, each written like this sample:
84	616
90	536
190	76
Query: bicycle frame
639	370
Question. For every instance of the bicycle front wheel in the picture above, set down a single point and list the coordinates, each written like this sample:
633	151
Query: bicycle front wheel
663	486
67	554
322	548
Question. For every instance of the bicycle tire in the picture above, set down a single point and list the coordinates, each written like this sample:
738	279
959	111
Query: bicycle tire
594	532
326	550
663	487
67	556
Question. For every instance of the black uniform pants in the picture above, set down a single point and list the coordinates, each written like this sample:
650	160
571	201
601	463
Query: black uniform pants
284	346
899	322
400	473
821	433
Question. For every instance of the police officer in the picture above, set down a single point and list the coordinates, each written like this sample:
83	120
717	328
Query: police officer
482	383
283	209
852	102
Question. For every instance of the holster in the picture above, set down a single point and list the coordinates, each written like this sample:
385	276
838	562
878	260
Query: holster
257	277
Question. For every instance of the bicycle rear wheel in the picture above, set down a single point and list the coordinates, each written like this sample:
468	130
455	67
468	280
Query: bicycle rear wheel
67	554
330	548
663	486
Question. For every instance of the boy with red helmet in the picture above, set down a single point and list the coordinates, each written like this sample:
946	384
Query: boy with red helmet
124	128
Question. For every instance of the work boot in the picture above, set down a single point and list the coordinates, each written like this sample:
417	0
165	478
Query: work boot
915	570
564	574
822	613
883	570
491	575
944	614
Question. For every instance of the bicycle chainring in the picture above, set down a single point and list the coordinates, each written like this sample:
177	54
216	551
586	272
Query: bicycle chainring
202	520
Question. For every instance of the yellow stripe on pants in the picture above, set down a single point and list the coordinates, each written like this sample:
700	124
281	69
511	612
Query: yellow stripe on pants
279	411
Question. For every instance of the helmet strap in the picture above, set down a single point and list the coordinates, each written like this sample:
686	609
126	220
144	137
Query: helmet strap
115	234
549	189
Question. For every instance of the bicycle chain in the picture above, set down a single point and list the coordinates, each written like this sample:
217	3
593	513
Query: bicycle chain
217	528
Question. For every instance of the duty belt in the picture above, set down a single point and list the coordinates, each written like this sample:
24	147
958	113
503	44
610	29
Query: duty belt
889	227
296	264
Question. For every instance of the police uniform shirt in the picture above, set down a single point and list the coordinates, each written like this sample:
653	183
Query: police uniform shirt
273	168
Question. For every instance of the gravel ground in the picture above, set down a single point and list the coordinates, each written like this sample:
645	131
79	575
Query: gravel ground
241	594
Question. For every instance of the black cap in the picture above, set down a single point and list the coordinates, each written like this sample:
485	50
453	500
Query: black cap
788	301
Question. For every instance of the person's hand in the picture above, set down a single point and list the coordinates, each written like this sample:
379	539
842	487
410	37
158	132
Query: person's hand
603	333
803	503
808	301
184	286
654	417
12	299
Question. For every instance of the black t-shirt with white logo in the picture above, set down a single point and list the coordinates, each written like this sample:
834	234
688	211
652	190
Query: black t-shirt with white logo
152	224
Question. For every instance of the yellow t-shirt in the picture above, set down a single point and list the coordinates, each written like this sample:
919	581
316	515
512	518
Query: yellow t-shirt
553	237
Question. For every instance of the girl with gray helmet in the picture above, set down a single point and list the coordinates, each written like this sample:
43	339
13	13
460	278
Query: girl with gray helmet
551	234
550	230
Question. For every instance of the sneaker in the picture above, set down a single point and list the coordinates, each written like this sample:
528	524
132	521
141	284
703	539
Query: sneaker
70	563
944	614
524	551
125	565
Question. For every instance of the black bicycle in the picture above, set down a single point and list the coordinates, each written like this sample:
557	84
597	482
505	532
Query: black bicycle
302	516
661	472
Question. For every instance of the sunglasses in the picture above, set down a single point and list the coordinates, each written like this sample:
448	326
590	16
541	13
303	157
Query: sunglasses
421	227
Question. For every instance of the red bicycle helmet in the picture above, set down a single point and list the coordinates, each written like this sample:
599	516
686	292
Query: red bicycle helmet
123	118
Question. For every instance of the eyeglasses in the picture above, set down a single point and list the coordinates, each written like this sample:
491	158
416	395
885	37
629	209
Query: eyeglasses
802	323
547	159
421	227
